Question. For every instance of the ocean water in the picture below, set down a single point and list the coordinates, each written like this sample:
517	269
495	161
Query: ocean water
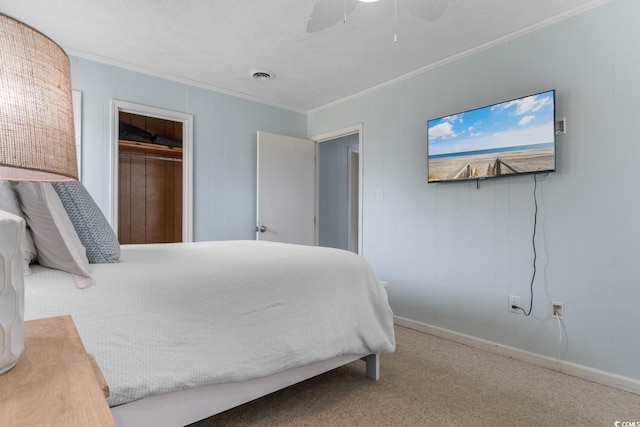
531	147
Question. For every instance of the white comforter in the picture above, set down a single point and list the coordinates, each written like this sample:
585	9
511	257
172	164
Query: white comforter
174	316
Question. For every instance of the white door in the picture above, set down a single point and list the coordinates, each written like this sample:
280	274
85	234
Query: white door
286	189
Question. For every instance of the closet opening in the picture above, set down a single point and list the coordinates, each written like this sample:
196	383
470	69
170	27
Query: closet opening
150	184
151	188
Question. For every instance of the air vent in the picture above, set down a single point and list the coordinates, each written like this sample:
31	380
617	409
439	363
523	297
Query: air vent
263	75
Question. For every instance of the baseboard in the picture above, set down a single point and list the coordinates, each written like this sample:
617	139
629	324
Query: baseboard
574	369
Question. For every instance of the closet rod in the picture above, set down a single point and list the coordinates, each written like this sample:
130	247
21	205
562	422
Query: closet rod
147	156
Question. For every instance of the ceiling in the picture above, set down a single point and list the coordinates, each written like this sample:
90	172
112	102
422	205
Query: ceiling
217	43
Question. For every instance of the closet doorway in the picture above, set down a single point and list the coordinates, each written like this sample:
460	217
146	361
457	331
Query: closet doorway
151	192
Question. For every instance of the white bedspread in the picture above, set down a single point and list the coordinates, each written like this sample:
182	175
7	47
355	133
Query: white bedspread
174	316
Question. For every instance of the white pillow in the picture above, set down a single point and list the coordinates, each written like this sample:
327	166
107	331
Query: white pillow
56	240
9	203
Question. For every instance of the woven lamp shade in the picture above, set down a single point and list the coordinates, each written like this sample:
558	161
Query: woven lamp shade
37	141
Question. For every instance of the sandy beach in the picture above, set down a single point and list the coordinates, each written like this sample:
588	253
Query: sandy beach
528	161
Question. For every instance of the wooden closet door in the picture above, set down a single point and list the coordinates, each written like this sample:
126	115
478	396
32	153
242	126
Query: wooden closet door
163	202
150	200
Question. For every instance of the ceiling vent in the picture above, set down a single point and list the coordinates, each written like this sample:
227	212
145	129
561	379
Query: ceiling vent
263	74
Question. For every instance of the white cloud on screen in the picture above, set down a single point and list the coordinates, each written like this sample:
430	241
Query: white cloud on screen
525	105
526	120
442	130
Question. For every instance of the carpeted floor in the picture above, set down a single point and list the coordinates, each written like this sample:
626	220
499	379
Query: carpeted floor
429	381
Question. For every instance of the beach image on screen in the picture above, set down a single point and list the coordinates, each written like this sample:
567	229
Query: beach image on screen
509	138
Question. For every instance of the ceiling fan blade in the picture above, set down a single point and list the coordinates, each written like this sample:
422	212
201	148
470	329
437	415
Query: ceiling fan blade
326	13
427	9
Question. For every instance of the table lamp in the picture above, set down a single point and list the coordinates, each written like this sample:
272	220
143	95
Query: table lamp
37	143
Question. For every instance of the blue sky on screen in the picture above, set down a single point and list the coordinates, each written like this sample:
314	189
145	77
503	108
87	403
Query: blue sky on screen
523	121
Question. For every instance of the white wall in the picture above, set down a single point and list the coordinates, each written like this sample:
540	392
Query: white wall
453	253
224	142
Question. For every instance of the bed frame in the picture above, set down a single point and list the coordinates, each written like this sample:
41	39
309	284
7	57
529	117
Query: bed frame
184	407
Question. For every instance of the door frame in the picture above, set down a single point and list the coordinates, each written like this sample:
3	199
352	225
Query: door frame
318	139
350	211
118	106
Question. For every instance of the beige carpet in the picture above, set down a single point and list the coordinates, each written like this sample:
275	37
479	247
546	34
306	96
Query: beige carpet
429	381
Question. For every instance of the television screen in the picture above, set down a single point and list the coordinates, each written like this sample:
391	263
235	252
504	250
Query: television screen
505	139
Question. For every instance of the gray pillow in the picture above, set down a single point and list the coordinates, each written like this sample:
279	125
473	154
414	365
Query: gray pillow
92	227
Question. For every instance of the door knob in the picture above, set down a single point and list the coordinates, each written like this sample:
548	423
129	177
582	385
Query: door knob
261	229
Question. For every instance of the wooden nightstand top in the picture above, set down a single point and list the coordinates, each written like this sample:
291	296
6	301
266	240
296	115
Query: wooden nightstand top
55	382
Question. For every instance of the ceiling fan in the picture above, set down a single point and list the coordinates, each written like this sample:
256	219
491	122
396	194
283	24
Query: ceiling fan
326	13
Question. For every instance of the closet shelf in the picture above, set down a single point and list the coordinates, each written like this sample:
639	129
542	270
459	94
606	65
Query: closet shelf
152	149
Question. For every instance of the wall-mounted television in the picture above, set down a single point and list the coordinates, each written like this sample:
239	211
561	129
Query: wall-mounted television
505	139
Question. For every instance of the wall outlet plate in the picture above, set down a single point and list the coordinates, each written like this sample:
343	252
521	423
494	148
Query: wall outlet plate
514	300
557	310
561	126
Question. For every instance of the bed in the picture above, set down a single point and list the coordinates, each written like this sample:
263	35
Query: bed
187	330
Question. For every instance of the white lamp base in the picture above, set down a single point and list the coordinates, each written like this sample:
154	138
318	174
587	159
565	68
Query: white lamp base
12	229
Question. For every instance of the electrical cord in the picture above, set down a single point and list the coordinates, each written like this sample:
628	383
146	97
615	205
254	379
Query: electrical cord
535	253
559	341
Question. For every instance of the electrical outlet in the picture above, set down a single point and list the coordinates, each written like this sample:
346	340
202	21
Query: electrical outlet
557	310
514	300
561	126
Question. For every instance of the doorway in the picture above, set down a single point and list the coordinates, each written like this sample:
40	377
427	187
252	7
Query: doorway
339	189
151	193
150	180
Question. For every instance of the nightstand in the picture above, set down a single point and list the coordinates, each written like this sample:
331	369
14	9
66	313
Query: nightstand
55	382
